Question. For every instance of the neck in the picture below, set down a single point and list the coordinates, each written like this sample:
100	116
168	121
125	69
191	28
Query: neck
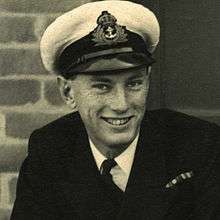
111	152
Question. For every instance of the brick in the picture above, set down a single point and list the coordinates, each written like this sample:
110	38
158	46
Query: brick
19	92
42	6
20	61
5	214
42	23
17	29
2	126
8	185
11	157
12	189
26	123
52	93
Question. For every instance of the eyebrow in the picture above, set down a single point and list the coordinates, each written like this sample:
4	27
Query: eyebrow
137	76
100	79
105	79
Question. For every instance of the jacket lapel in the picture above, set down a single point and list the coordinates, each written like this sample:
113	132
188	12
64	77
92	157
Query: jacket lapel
83	190
146	194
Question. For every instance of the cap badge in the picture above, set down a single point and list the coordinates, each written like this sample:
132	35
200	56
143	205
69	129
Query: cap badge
108	32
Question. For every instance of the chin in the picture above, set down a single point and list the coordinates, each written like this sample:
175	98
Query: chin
120	140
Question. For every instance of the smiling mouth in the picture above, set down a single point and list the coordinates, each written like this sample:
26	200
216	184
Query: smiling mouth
117	121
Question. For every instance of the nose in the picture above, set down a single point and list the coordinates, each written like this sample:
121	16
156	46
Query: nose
119	101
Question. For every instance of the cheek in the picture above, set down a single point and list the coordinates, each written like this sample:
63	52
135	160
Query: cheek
88	102
139	99
82	97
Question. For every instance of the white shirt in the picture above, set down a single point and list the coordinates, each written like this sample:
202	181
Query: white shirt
121	172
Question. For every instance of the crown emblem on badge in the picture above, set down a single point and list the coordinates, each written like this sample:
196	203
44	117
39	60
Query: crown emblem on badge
108	32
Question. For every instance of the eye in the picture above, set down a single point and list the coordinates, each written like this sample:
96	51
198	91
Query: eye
135	85
101	86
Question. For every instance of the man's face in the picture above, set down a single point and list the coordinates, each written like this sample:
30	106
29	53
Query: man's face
112	106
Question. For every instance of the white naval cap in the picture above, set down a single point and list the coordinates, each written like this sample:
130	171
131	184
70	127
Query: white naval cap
122	33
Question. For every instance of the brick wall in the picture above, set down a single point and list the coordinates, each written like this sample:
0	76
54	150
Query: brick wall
28	95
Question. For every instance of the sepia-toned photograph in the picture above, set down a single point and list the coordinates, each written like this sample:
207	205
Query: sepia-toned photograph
109	110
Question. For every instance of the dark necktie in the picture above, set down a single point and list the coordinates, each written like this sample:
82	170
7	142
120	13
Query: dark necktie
105	169
114	194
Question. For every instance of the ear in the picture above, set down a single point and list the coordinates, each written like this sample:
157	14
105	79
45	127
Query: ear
66	91
149	70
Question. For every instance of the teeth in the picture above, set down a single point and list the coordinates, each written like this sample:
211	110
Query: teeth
117	121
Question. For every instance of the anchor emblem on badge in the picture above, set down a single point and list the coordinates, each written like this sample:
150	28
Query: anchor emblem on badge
108	32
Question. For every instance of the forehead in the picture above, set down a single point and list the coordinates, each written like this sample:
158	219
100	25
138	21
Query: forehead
114	76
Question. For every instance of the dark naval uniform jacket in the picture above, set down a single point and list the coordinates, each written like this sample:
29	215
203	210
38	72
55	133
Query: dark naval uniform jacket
175	174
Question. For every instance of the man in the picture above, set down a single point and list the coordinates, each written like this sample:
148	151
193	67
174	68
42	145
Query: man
113	159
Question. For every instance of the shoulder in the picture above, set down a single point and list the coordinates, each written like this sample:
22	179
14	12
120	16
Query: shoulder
54	146
178	123
170	117
190	141
57	133
64	123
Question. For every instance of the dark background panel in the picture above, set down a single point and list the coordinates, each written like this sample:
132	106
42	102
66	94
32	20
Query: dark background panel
191	54
186	76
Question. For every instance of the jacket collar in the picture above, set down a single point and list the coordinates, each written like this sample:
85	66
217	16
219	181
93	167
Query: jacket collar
124	160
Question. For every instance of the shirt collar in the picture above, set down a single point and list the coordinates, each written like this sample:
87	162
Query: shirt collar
124	160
